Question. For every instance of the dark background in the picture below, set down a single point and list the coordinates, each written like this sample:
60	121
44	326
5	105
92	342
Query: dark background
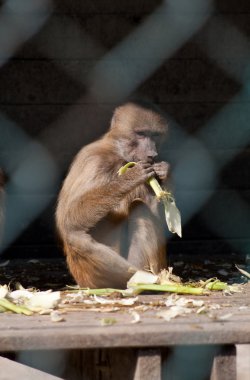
65	65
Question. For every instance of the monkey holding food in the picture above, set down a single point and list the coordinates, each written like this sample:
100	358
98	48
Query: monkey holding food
110	225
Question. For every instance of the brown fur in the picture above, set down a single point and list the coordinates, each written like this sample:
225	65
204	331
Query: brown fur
110	225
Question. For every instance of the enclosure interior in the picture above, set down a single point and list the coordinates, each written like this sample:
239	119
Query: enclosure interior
66	65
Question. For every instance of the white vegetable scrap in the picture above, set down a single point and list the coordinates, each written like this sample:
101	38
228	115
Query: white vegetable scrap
175	300
44	300
197	303
243	307
78	297
235	288
21	294
3	291
214	306
136	317
45	311
166	276
122	301
173	312
202	310
225	316
178	306
143	277
56	316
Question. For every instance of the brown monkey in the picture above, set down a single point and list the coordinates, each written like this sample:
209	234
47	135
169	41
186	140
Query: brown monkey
111	225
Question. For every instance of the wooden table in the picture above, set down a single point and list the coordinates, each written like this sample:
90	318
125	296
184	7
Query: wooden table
145	340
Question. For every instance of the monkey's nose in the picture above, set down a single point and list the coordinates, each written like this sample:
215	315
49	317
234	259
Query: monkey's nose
150	160
152	156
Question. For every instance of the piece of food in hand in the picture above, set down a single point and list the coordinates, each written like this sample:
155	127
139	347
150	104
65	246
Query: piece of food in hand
172	213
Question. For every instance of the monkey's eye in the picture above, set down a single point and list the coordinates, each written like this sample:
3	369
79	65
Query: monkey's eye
156	135
140	134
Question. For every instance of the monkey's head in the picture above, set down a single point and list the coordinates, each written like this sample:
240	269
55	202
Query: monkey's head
138	132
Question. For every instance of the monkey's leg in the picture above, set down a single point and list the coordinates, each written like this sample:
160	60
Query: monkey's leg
146	239
96	265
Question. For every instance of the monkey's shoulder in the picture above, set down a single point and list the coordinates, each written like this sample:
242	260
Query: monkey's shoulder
98	157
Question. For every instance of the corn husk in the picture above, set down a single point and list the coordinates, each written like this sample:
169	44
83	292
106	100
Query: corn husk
172	213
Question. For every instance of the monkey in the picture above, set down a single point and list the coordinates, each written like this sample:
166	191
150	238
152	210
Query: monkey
110	226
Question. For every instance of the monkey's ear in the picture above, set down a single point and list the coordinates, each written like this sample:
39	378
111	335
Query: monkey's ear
115	117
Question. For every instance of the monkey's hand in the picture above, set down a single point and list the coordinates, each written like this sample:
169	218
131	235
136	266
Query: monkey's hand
161	170
137	172
140	172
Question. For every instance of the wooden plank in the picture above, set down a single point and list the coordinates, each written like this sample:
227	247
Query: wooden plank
230	324
11	370
151	334
148	366
224	364
243	361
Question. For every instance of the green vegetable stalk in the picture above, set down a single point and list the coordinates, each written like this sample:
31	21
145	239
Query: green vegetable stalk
214	284
172	214
4	303
175	288
101	292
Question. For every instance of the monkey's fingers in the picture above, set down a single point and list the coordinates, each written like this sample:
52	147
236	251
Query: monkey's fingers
144	170
162	169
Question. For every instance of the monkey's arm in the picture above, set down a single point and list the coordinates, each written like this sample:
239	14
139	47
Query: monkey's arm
103	194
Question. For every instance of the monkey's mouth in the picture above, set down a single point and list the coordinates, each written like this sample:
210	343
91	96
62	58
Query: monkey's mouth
146	159
150	160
